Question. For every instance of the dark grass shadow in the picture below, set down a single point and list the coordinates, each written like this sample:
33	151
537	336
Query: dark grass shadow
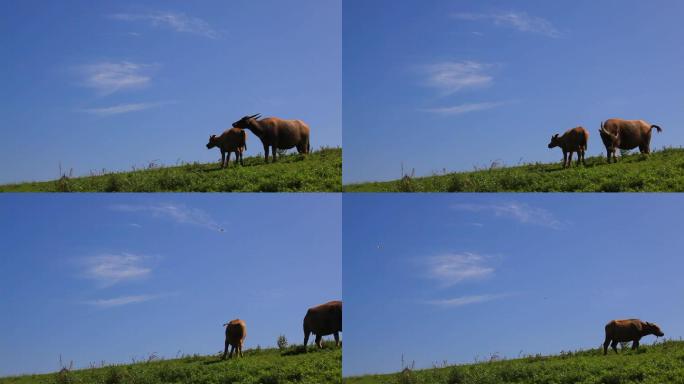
214	361
294	350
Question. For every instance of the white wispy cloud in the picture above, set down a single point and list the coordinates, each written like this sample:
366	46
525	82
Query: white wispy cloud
521	212
119	301
517	20
179	22
109	269
466	300
464	108
453	76
109	77
454	268
123	108
177	213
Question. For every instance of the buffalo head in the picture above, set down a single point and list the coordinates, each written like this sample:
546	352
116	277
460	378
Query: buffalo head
653	328
212	142
245	121
555	141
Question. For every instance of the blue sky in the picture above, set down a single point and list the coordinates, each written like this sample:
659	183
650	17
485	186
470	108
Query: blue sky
115	84
98	277
456	84
441	277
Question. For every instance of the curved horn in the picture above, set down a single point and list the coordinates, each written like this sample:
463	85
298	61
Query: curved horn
255	116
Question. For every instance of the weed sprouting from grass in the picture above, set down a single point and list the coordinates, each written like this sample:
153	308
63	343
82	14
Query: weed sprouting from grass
281	342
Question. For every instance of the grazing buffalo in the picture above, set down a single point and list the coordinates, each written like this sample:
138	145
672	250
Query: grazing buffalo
277	133
322	320
236	331
573	140
633	330
626	134
232	140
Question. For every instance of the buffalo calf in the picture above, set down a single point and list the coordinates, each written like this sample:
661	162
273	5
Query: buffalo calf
573	140
232	140
236	332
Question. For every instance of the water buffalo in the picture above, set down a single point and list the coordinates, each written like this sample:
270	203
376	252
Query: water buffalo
626	134
322	320
236	332
573	140
277	133
632	330
232	140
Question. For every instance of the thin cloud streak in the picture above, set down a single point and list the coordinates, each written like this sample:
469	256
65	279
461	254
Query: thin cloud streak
453	76
110	77
179	22
467	300
520	212
177	213
120	301
109	269
464	108
520	21
123	108
454	268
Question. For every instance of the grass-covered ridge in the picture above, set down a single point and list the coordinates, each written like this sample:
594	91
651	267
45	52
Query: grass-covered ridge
661	171
651	364
258	366
320	171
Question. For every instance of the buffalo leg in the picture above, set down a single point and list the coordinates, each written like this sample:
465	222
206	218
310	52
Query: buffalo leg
266	152
614	345
635	344
337	338
240	350
223	159
232	349
319	339
225	350
605	346
274	150
241	163
569	158
306	339
565	158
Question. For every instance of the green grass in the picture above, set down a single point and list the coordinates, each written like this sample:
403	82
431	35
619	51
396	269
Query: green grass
265	366
651	364
661	171
320	171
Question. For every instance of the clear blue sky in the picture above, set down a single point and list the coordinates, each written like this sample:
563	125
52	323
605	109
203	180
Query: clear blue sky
440	277
99	277
455	84
112	84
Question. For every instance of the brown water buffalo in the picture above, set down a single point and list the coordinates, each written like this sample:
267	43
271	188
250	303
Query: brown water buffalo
633	330
573	140
236	332
322	320
626	134
232	140
277	133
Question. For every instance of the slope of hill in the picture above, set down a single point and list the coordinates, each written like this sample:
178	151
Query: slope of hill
321	171
258	366
653	364
661	171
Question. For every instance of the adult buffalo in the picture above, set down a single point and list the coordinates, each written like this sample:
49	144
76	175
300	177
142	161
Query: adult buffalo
232	140
626	134
236	332
322	320
573	140
277	133
618	331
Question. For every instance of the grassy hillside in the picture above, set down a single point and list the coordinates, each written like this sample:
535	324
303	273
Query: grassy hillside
321	171
652	364
258	366
661	171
